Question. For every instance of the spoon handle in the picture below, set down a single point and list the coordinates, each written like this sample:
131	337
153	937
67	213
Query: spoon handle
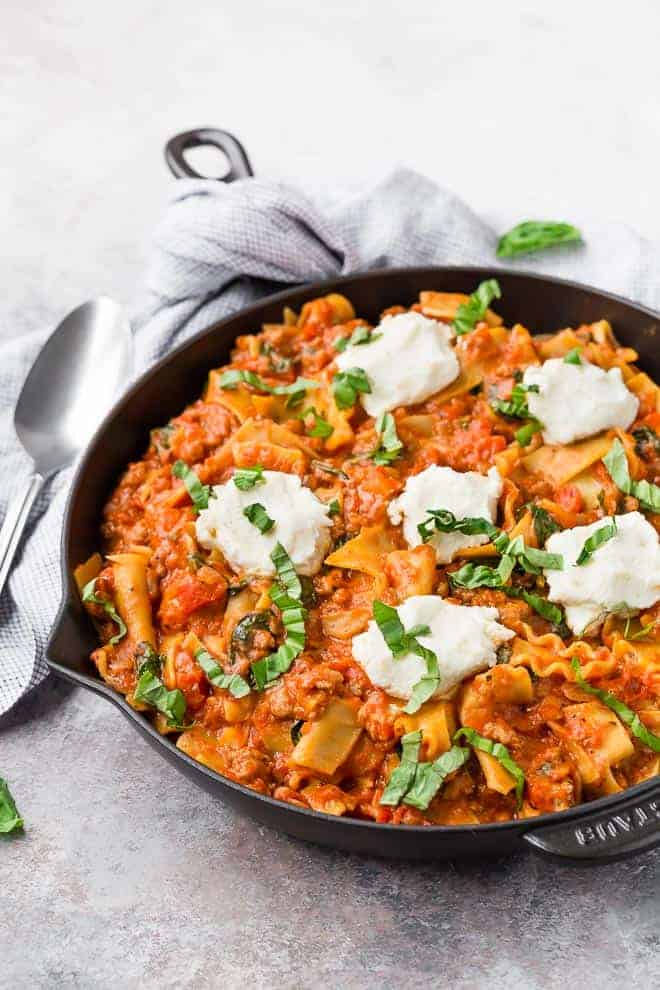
14	524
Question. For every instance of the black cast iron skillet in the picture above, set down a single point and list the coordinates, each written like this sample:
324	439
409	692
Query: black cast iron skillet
610	828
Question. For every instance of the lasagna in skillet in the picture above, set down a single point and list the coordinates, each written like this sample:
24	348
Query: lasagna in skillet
406	572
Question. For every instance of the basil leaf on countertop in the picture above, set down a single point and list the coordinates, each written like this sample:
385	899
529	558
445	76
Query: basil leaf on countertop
10	819
536	235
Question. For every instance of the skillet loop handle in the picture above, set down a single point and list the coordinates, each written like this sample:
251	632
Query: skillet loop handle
231	147
605	835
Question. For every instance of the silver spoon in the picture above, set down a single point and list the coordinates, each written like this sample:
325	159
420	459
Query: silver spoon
70	387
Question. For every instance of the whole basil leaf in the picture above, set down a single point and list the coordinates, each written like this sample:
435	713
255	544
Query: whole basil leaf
10	819
536	235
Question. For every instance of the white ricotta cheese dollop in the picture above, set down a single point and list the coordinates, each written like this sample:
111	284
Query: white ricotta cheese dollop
622	574
463	493
463	637
578	400
302	525
411	360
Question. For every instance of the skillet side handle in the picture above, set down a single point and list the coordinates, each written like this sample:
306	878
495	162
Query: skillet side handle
602	836
231	147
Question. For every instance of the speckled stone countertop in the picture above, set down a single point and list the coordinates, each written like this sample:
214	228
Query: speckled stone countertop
128	875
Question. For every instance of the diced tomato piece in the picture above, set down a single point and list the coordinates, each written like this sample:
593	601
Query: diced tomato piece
185	592
570	498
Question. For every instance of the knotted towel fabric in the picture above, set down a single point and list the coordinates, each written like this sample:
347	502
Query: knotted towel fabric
220	247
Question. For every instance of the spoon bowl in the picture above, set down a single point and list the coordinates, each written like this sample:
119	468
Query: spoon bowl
68	390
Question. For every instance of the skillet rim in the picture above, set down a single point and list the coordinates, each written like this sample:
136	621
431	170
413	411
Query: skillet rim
586	810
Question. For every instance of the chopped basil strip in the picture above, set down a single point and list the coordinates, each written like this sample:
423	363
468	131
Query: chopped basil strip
286	573
499	752
516	406
10	819
151	690
430	777
602	535
361	335
426	686
247	478
198	492
513	552
444	521
286	593
334	507
321	427
88	594
641	633
544	524
415	783
402	777
573	356
616	462
542	606
296	390
535	235
233	683
347	385
469	313
627	715
399	642
482	576
390	446
525	433
259	517
329	469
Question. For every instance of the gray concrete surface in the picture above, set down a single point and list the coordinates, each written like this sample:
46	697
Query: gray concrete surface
128	875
